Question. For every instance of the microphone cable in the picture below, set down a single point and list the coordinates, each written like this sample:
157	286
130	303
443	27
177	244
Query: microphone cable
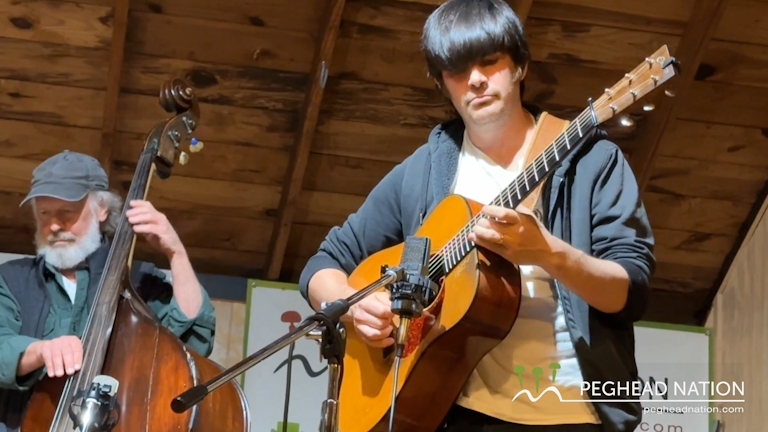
288	385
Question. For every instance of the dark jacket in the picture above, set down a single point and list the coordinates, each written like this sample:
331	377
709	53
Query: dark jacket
592	202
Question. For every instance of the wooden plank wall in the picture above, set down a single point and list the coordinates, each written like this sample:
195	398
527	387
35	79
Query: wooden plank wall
249	62
46	109
739	318
221	205
712	162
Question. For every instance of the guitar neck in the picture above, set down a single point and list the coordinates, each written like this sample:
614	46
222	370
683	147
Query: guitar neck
519	189
546	162
647	76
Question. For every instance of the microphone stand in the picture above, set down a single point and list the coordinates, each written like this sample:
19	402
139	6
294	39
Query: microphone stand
332	342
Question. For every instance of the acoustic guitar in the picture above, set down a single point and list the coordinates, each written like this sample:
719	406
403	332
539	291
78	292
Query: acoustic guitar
478	296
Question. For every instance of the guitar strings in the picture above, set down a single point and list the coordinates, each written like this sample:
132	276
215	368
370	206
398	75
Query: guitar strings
95	323
455	243
529	174
459	241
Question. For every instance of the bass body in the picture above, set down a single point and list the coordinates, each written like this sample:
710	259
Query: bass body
143	347
477	305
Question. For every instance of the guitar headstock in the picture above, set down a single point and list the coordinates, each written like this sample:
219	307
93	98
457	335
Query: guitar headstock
643	79
176	96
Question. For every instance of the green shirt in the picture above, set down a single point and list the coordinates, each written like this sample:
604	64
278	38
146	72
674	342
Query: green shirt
66	318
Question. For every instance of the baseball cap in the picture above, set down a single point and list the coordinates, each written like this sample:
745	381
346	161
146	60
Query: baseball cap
68	176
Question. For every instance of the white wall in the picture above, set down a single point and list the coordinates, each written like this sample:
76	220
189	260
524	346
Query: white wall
8	256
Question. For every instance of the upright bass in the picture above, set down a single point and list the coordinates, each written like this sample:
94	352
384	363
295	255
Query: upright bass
132	365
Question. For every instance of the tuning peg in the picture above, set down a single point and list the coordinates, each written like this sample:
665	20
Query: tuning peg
626	121
183	158
195	145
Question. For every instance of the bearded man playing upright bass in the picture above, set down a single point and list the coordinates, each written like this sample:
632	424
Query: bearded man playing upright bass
45	300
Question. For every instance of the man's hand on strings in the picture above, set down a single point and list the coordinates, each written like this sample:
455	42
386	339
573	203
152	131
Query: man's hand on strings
61	356
155	227
372	317
517	236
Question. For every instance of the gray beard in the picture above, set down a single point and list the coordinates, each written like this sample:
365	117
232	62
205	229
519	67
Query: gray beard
69	256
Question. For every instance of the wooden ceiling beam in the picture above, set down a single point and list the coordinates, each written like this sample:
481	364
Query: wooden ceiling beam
117	52
522	8
701	25
298	164
301	150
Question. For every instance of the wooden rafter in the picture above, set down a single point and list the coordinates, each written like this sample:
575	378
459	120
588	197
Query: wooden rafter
298	165
522	8
119	28
301	150
701	25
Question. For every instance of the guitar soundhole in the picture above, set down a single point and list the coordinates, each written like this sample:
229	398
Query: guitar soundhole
433	300
388	351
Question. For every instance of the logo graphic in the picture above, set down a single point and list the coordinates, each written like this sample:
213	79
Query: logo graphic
292	427
292	318
635	388
536	372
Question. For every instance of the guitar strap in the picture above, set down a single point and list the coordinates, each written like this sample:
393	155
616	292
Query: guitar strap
548	127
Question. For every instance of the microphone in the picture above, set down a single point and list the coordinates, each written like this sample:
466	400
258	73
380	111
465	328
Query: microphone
410	296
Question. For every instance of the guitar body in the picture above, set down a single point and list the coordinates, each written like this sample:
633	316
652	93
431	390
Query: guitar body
478	303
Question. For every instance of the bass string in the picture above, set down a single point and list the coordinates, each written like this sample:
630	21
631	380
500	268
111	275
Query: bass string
97	320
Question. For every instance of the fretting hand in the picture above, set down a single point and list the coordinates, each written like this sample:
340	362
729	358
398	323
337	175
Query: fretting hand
517	236
155	227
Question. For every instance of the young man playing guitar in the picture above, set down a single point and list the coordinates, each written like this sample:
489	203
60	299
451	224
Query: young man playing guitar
585	259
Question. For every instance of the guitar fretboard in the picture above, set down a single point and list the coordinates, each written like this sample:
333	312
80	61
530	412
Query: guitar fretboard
517	191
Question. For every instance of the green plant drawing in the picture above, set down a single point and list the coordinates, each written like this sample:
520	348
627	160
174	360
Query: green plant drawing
292	427
554	367
519	371
536	372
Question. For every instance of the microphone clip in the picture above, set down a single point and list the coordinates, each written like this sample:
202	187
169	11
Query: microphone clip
411	294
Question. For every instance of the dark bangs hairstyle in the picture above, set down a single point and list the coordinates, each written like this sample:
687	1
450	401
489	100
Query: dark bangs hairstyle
459	33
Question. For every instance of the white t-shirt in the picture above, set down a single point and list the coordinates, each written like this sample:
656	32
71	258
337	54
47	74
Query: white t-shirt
538	338
70	288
